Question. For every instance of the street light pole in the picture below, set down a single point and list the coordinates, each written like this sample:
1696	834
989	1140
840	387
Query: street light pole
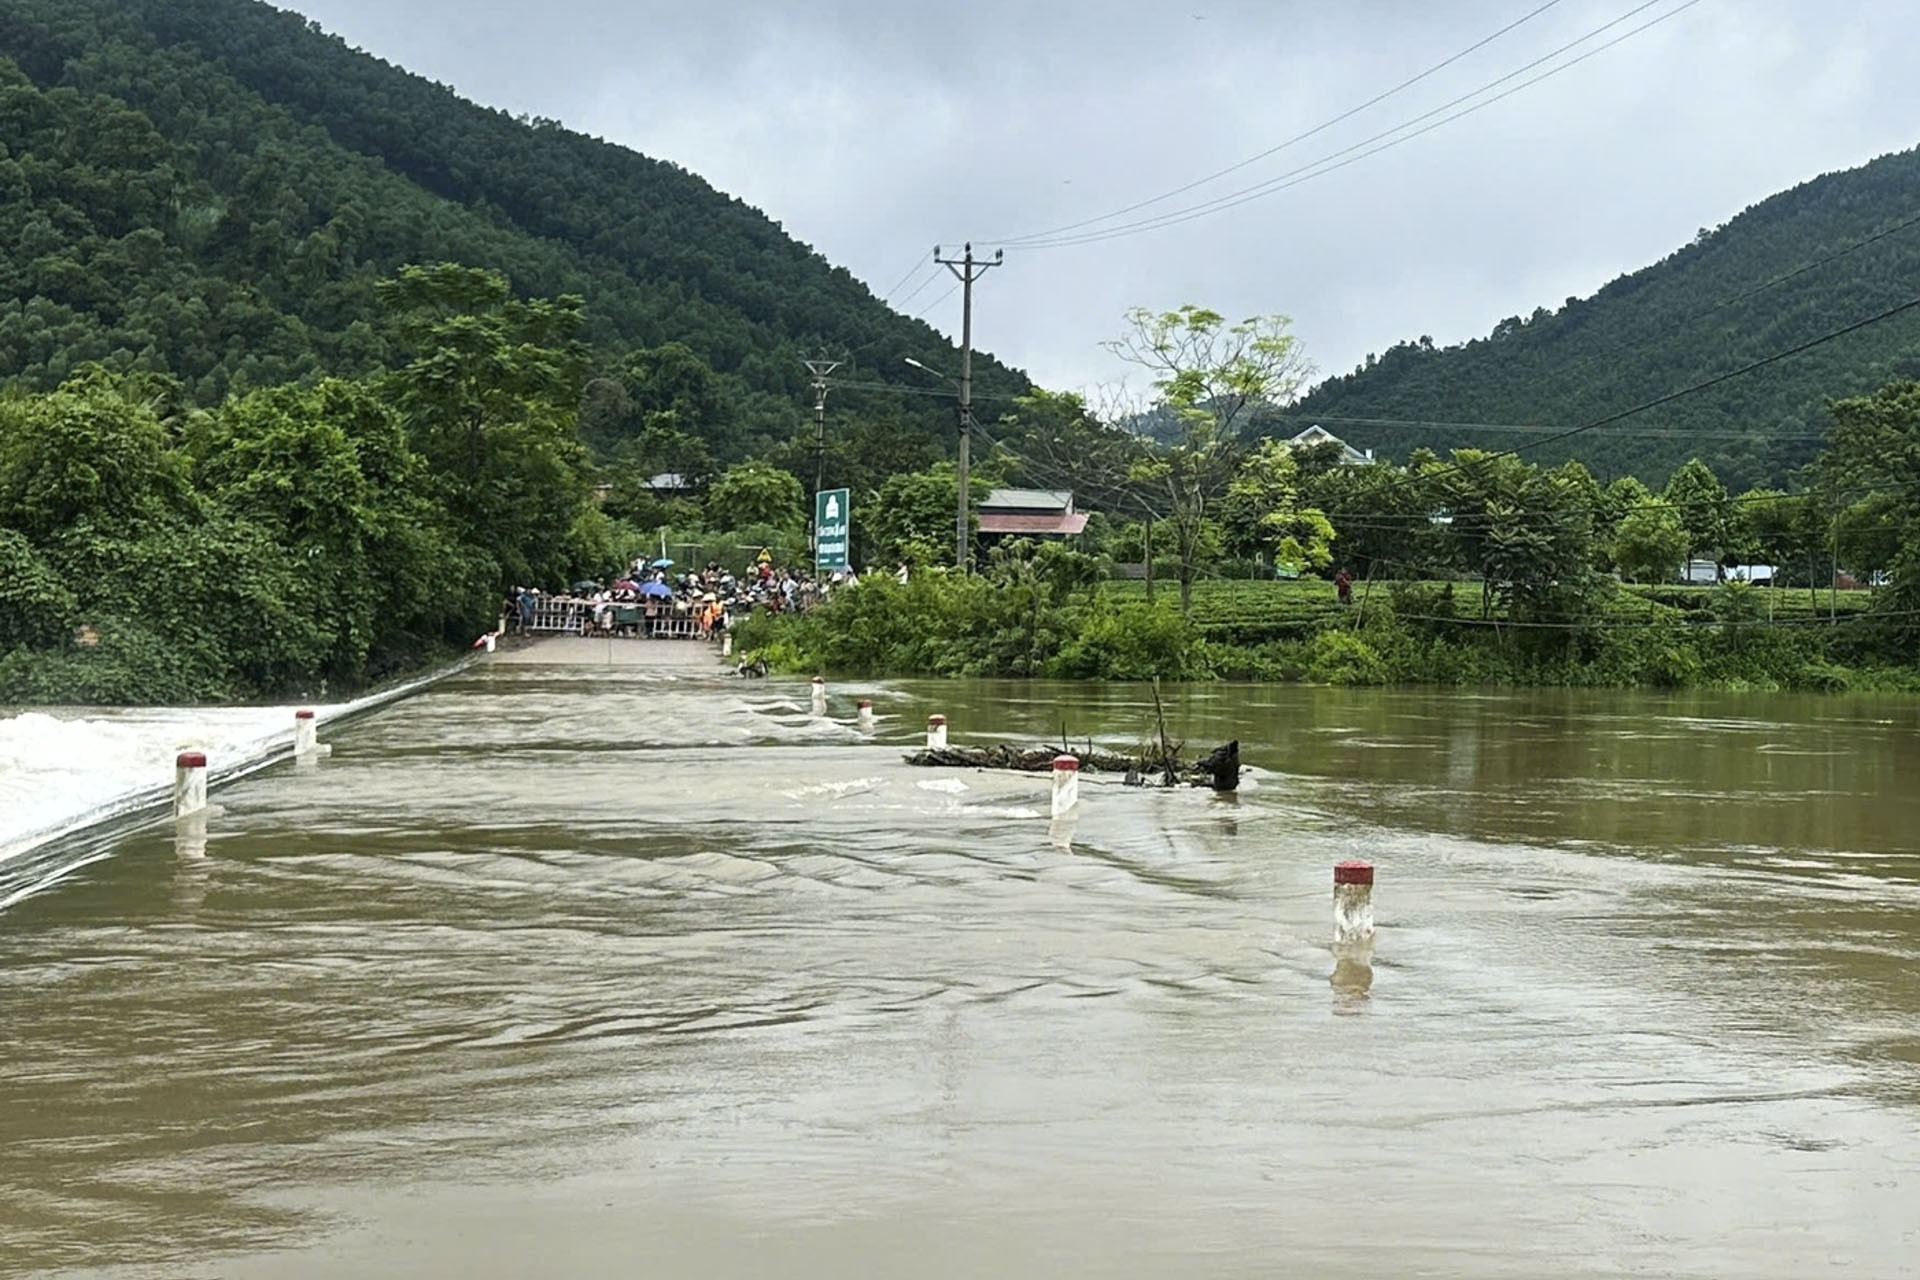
966	269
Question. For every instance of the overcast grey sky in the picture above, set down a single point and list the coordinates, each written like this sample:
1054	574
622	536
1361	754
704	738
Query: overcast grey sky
873	130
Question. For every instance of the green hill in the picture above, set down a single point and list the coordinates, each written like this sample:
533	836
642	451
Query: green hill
1734	295
211	188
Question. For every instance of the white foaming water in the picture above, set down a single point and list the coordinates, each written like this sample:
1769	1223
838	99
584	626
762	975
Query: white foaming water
63	769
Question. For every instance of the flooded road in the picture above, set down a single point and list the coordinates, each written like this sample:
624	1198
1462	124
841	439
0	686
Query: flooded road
559	971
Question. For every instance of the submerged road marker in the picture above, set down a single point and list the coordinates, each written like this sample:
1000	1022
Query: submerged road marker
1066	785
936	733
189	783
1352	903
306	737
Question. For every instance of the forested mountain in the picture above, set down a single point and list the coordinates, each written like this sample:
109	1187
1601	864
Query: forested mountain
1780	274
211	188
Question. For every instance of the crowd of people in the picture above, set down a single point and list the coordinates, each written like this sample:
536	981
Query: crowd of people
652	599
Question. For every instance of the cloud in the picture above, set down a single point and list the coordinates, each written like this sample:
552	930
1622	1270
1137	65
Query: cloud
874	130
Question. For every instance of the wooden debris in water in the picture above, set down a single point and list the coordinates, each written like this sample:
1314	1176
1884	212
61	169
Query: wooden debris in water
1218	769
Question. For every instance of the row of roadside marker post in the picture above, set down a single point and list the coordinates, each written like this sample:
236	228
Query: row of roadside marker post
1352	881
190	767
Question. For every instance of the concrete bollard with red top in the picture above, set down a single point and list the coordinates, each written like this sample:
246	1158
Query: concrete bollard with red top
1352	903
819	695
189	783
866	713
1066	785
307	746
936	733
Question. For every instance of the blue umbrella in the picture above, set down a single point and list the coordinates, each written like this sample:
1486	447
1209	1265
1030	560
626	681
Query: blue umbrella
661	564
656	589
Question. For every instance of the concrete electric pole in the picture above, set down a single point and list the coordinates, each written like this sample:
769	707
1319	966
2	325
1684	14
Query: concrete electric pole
819	369
966	269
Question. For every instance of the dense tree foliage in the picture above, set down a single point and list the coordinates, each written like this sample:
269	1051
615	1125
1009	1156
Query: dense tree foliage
1489	568
756	493
309	534
211	189
1793	267
1876	449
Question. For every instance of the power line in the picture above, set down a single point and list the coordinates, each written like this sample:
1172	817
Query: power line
1682	618
1817	262
1375	521
1365	148
919	288
951	290
841	384
1670	396
1403	478
918	266
1358	520
1515	427
1322	127
1718	379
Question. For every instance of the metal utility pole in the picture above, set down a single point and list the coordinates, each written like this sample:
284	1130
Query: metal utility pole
819	369
966	269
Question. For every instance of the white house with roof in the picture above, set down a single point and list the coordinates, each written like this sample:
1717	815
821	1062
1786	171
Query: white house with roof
1317	434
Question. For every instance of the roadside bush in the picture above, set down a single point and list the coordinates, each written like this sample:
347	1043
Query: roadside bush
128	665
36	607
1822	676
1343	658
1131	641
1659	656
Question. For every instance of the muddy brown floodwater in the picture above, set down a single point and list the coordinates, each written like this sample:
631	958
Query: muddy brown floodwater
607	972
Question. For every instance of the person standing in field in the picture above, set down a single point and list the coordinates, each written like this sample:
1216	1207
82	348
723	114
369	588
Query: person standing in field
1343	585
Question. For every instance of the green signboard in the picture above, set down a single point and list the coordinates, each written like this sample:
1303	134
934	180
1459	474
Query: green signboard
830	527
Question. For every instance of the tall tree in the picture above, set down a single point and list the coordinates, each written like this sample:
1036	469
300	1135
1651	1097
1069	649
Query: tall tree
1206	375
491	396
1875	445
911	518
754	493
1650	542
1701	501
1262	514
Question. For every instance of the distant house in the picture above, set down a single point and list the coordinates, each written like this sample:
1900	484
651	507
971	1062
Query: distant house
1699	571
1760	575
670	484
1029	513
1317	434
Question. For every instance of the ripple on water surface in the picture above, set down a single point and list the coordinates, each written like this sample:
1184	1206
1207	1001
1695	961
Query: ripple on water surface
646	953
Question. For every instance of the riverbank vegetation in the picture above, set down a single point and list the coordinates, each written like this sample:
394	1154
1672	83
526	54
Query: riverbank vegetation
1479	568
1010	621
